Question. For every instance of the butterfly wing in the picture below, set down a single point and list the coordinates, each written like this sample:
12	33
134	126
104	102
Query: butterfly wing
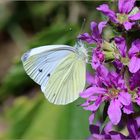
67	81
40	62
56	69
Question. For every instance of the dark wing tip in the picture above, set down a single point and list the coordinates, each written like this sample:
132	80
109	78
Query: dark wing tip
25	56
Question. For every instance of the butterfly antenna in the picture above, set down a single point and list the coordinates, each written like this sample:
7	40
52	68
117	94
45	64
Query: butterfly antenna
82	28
83	25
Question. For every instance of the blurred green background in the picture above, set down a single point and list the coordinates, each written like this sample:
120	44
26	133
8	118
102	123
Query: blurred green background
24	112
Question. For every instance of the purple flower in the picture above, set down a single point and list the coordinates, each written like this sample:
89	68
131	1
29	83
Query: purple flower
108	132
133	126
118	65
97	58
121	45
134	84
127	15
134	54
133	57
137	97
121	58
135	80
96	31
90	79
110	87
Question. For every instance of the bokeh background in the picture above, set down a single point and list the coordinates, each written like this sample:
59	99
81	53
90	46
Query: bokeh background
24	112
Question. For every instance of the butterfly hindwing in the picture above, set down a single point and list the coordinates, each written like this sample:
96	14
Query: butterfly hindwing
66	82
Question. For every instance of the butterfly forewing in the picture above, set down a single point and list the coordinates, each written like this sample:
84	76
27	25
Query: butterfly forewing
41	62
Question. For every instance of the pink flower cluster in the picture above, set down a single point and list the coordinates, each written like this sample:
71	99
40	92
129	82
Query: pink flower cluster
115	81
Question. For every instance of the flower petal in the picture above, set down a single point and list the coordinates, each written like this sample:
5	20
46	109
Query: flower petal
97	58
135	80
114	112
136	43
104	8
133	129
135	48
101	25
108	127
118	65
86	37
121	45
128	25
92	90
135	17
124	98
138	100
125	6
138	121
94	129
134	64
117	136
102	71
85	103
94	28
95	105
95	31
95	62
91	118
90	78
128	109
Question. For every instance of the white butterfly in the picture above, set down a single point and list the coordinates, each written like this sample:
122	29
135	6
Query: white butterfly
59	69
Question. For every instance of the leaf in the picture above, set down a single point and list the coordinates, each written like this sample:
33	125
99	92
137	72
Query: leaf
37	118
105	111
104	124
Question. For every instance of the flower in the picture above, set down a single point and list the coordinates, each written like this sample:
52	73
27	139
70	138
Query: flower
117	86
135	87
97	58
132	59
95	38
137	97
121	57
118	65
108	132
110	87
126	16
134	81
133	126
96	31
134	54
121	45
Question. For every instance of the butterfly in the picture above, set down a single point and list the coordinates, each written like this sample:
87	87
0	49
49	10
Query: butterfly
60	70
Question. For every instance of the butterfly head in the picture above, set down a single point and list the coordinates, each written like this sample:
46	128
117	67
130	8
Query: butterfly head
81	51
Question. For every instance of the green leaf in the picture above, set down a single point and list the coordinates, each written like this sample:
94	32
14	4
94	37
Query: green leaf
37	118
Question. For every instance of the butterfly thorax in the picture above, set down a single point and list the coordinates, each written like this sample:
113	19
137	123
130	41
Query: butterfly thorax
81	51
